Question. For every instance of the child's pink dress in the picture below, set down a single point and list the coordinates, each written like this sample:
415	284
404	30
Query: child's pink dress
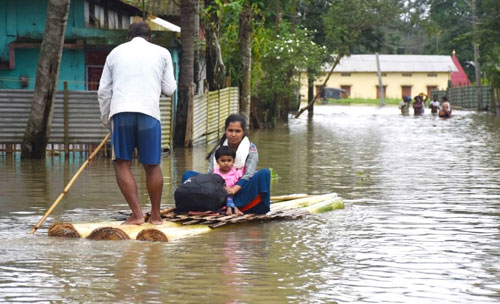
231	178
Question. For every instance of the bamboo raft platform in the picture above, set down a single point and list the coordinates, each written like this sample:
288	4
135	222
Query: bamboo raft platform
181	225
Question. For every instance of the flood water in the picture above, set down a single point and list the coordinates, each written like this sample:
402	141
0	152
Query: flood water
421	222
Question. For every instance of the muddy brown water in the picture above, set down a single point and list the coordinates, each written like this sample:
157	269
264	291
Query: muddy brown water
421	223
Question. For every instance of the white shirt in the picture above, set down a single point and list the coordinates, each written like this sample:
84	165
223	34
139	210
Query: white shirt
134	76
434	103
446	106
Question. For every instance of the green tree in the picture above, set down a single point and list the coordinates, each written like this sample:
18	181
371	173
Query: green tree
189	21
285	57
489	21
355	26
245	44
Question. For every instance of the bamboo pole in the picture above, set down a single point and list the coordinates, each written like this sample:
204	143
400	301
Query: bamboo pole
288	197
71	182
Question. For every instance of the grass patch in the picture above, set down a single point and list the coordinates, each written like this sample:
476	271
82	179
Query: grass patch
348	101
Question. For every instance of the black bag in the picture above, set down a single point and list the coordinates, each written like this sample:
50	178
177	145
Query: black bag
204	192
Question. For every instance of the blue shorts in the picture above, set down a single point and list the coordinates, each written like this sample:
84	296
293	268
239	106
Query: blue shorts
130	130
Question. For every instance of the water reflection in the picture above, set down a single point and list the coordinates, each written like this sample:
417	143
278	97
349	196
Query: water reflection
421	222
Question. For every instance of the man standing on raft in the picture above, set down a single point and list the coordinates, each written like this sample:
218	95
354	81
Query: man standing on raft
134	76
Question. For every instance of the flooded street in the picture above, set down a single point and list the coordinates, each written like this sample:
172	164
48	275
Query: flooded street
421	222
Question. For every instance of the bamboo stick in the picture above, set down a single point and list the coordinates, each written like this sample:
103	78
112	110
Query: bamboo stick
302	202
280	198
326	205
71	182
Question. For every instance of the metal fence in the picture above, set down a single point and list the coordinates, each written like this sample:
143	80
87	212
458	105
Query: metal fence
209	114
466	97
82	118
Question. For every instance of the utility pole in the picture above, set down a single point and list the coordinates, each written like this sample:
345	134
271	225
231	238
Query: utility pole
380	85
475	44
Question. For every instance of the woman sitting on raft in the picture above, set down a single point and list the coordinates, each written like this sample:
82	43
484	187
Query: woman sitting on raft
252	192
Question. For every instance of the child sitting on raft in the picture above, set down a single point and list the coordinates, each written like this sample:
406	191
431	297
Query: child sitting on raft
252	192
224	156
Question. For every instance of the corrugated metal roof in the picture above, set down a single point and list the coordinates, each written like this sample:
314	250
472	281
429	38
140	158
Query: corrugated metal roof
395	63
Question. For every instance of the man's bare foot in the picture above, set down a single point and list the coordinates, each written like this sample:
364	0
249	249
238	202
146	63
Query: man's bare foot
229	211
134	220
155	221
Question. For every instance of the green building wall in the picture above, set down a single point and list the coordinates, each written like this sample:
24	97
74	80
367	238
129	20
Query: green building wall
24	21
72	70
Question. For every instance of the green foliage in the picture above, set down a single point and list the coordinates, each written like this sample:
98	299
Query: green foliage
283	58
355	26
274	175
311	29
490	48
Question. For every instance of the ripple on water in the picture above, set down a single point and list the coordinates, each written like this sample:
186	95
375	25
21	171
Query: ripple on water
420	223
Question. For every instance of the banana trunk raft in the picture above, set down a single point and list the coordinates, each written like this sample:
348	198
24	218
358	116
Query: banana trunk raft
177	226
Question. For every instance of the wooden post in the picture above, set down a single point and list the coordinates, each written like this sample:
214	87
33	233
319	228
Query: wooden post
218	114
188	139
206	119
229	96
66	120
380	85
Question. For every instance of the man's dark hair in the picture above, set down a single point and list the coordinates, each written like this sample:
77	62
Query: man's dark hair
224	151
139	29
444	98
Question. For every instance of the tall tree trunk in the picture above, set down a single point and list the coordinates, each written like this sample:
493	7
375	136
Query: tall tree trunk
189	11
278	16
37	131
216	71
310	92
198	56
245	41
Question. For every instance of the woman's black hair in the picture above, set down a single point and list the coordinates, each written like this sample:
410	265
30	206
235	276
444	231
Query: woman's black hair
224	151
231	118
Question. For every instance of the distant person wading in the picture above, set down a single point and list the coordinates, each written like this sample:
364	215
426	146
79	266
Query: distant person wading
445	111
